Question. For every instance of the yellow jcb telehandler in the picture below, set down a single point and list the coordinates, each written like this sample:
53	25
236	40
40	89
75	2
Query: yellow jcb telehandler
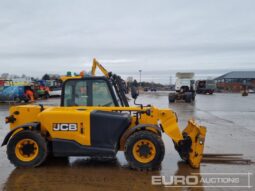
95	119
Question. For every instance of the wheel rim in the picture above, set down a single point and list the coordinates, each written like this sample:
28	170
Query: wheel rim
26	150
144	151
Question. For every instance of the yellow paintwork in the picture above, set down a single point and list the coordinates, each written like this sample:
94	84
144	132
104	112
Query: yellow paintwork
64	78
166	118
50	115
81	115
95	65
197	134
27	114
67	115
19	153
136	153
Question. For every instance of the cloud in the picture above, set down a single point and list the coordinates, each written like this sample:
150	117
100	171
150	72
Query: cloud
126	35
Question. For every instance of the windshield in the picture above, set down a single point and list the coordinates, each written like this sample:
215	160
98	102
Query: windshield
76	93
87	93
101	94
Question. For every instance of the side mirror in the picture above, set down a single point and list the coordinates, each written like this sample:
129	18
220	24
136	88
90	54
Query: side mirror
134	92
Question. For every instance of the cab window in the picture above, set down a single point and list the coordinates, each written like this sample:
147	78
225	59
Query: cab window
81	96
76	93
101	94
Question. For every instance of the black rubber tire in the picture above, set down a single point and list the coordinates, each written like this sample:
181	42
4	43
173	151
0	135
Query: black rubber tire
43	151
171	98
193	97
188	98
158	143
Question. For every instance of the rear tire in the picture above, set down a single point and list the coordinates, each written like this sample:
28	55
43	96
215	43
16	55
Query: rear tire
146	156
171	98
27	149
188	98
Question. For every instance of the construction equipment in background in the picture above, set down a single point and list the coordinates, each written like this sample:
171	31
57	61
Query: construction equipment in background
16	94
152	89
95	119
55	91
4	84
205	86
41	91
244	90
184	88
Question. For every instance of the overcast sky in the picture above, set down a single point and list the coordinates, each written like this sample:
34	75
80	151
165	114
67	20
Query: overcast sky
51	36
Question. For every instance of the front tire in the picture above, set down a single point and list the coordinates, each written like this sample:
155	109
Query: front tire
171	98
27	149
144	150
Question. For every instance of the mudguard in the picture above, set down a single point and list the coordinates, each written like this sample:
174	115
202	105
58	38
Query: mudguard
31	126
148	127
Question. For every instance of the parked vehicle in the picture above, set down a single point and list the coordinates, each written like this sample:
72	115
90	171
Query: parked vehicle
2	88
6	83
184	88
96	120
42	94
41	91
245	90
146	89
251	91
152	89
55	91
14	94
205	86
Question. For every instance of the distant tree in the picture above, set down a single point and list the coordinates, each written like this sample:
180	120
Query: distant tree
13	76
5	76
46	77
54	76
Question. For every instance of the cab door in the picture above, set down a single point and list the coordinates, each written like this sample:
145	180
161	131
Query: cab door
88	92
101	95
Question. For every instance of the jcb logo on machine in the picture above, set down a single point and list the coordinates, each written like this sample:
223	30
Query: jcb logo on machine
65	127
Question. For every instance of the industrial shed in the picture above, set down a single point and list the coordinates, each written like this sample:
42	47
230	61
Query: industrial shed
234	81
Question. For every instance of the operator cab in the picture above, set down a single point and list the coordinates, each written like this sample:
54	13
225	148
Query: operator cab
90	91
